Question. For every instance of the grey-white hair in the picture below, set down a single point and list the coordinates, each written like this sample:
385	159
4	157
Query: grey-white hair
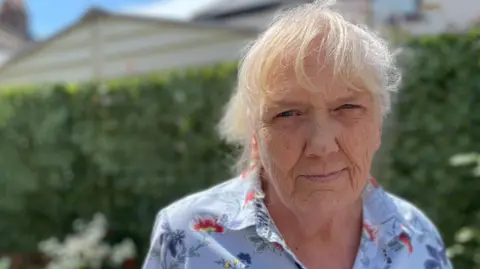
355	54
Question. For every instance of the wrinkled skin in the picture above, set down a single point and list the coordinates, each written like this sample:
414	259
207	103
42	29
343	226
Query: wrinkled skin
303	134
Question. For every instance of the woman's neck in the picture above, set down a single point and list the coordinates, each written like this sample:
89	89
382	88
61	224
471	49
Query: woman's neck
329	233
315	226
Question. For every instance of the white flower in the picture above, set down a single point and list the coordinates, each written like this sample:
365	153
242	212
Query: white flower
455	250
65	263
95	257
465	159
82	249
465	235
476	171
50	247
122	252
5	263
85	248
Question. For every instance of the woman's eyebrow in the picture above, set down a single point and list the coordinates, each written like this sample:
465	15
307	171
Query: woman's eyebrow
347	99
285	103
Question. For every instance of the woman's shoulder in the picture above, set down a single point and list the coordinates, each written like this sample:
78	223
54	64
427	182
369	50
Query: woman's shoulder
426	240
173	238
414	216
208	202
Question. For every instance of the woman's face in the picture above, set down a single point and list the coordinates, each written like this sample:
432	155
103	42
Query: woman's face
316	147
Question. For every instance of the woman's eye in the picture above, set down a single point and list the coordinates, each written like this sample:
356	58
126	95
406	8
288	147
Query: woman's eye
288	113
348	106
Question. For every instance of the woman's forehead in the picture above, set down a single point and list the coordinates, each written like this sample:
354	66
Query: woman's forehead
313	75
298	95
289	84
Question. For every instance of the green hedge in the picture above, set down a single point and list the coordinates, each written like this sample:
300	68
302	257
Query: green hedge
437	115
124	148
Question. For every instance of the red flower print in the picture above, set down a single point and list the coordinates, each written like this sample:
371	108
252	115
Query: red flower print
374	182
208	225
250	196
277	246
370	231
405	239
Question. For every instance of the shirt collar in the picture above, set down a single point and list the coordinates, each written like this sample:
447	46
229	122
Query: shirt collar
249	196
380	213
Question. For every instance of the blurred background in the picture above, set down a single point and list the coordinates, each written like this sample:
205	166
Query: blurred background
108	109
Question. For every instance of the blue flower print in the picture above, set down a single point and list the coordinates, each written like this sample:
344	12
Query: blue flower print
214	230
173	240
242	261
245	258
437	258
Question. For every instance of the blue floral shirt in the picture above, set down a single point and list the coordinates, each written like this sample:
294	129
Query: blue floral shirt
228	226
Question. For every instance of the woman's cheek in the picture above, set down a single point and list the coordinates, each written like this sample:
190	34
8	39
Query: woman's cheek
358	145
284	143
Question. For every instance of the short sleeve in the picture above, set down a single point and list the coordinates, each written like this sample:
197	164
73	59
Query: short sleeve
156	257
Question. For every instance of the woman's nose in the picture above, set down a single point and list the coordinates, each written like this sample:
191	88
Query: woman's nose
321	140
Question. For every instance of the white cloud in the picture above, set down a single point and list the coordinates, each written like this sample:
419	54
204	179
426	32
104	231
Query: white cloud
176	9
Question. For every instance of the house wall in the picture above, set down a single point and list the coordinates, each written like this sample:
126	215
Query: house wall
258	20
353	10
458	14
356	11
438	16
113	47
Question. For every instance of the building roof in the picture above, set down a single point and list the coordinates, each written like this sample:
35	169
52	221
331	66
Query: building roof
95	13
229	8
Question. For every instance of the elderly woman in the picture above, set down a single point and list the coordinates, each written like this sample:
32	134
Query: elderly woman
312	93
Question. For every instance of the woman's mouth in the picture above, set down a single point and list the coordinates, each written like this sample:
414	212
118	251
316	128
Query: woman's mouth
324	178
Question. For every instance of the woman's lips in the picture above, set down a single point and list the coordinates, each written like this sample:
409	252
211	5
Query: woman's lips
326	177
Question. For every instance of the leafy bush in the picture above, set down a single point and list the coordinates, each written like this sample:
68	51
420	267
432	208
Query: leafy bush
466	250
436	116
124	148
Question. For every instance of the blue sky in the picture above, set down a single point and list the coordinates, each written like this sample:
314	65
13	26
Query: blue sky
47	19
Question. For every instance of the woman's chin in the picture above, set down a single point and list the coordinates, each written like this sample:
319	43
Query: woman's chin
317	205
